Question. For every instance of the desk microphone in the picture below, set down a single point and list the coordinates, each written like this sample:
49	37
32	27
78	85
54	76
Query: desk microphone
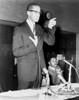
68	63
71	66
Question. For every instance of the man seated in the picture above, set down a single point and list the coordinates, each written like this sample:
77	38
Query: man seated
55	72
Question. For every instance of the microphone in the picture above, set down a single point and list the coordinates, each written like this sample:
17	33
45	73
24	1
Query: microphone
71	66
68	63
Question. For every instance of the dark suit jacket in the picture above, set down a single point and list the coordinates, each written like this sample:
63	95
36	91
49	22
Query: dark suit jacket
28	56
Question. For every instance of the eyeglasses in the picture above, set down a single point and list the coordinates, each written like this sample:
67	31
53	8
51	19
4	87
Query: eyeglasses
35	11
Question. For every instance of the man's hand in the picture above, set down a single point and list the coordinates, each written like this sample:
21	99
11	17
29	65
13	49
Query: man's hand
47	76
47	80
52	22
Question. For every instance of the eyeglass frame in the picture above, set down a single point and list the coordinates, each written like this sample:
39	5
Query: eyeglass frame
35	11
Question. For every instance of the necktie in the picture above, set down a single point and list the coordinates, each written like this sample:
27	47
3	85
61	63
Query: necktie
35	37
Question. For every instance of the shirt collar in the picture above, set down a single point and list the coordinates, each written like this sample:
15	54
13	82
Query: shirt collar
31	24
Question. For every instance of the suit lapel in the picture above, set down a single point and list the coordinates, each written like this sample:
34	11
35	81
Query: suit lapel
38	32
27	30
30	32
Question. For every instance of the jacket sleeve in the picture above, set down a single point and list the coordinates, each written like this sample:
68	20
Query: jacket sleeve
42	59
19	49
49	36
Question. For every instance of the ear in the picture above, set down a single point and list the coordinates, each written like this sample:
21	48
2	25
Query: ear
27	12
49	63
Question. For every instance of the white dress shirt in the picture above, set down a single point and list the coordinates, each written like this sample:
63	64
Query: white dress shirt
32	27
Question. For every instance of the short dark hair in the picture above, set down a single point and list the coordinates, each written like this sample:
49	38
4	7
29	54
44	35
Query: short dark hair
51	55
30	5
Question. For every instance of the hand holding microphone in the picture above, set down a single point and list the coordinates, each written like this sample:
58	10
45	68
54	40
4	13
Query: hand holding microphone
51	23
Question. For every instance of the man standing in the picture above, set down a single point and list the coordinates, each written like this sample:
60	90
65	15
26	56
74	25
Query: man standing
28	40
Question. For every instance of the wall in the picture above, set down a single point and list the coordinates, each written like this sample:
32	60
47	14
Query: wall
77	53
6	58
67	13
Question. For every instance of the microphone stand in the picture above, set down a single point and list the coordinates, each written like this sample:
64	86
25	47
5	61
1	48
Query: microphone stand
69	76
68	86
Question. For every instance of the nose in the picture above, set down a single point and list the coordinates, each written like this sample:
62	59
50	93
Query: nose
38	15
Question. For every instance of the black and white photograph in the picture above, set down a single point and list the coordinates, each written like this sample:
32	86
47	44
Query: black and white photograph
39	49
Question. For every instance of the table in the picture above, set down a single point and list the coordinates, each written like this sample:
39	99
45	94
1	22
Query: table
38	94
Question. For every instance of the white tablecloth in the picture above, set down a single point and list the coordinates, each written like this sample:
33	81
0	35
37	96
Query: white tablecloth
38	94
